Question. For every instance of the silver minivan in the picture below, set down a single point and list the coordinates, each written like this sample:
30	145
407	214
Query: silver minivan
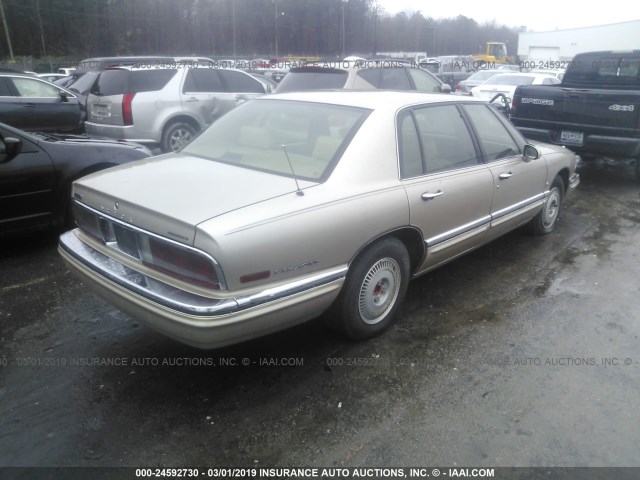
164	105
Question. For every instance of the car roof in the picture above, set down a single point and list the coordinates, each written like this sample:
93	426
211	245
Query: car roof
371	99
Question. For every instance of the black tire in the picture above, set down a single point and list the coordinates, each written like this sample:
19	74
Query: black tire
547	219
176	135
373	291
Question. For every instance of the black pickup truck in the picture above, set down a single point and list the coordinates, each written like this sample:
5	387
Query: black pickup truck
595	111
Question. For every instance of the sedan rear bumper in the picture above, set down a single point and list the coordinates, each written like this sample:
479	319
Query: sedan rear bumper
195	320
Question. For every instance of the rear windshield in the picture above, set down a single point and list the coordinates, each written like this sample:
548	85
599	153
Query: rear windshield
281	137
121	81
312	78
83	82
605	69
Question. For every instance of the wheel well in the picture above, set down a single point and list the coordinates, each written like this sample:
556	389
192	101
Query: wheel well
564	175
412	240
182	118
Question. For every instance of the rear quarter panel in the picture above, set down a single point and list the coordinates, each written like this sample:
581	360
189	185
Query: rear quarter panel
294	235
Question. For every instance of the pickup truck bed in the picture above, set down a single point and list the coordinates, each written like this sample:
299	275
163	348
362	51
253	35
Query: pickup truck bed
595	111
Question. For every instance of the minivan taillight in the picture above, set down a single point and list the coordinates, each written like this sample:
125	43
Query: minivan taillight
127	110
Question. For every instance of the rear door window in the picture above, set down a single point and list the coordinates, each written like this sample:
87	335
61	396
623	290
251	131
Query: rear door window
423	81
203	81
150	80
238	82
395	78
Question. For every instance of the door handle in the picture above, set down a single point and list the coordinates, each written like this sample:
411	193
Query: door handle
430	196
192	99
28	105
504	176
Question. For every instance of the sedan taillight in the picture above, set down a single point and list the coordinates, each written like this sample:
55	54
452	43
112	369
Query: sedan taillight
174	260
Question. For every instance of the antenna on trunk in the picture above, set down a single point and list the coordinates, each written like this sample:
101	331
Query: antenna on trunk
299	191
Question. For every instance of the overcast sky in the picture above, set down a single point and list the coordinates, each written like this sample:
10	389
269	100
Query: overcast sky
539	16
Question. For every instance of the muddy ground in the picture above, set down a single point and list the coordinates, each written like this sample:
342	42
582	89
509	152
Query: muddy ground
523	353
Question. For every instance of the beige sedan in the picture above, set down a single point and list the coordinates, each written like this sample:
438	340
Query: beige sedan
297	204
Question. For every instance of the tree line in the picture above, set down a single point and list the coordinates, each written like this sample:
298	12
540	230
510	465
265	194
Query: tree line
76	29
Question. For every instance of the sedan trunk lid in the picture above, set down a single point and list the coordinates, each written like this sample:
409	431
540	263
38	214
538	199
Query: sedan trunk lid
170	195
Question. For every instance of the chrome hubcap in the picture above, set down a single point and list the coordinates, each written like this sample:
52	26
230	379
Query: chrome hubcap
379	290
551	208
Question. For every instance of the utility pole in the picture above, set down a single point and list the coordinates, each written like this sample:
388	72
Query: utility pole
275	3
6	32
44	49
233	21
344	2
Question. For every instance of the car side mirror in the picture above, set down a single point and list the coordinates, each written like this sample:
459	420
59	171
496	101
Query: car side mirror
269	88
530	153
12	147
445	88
63	96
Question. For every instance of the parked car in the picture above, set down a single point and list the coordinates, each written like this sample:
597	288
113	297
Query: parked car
558	73
506	84
66	71
36	172
452	69
594	110
33	104
368	75
165	106
478	78
297	204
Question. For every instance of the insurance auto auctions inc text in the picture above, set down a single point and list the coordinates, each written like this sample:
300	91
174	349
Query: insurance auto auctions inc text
402	472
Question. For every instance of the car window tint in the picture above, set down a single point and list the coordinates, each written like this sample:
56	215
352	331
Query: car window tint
371	75
5	88
423	81
28	87
395	78
284	138
112	82
83	83
312	78
150	80
495	140
238	82
409	147
202	80
446	141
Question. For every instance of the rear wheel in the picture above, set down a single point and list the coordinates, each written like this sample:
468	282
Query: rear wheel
546	221
177	135
374	289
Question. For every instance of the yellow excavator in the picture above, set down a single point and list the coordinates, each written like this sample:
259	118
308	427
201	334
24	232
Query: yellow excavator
496	52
